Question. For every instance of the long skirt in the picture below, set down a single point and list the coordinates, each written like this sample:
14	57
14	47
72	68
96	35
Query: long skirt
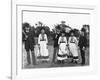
73	49
43	49
63	52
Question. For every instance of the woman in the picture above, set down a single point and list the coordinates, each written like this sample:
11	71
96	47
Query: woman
73	46
42	41
63	50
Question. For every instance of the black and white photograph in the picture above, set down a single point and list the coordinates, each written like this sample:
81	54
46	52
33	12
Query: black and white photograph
53	39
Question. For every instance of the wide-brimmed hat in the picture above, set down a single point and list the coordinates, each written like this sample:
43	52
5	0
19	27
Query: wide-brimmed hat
25	25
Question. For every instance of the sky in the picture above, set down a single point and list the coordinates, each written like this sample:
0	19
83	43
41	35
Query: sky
50	19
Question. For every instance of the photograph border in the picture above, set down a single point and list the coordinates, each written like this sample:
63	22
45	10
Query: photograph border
17	29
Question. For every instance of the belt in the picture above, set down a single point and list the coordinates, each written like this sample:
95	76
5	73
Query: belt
42	40
62	42
72	42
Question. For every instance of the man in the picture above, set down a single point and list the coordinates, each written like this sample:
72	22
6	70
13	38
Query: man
29	43
56	46
82	44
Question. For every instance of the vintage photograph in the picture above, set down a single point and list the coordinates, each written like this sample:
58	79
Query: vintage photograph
55	39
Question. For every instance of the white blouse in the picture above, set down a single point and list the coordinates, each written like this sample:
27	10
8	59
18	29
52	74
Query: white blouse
44	38
62	40
73	40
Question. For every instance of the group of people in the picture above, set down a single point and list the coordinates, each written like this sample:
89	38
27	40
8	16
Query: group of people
65	47
71	47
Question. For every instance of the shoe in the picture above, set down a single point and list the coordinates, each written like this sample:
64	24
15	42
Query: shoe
82	64
63	62
76	62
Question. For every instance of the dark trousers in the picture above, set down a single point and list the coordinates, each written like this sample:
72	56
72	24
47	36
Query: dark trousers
28	57
33	57
54	54
83	56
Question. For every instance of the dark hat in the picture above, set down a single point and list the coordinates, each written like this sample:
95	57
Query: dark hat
42	28
84	25
83	30
25	25
72	31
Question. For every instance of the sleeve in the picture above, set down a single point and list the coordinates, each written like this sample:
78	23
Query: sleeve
54	37
39	39
66	40
46	38
76	41
69	40
23	36
85	42
59	40
32	38
79	43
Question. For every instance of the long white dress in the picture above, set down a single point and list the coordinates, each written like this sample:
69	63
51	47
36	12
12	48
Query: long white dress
42	41
73	46
63	49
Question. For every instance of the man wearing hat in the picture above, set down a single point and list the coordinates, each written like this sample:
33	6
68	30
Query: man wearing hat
82	44
56	46
29	42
